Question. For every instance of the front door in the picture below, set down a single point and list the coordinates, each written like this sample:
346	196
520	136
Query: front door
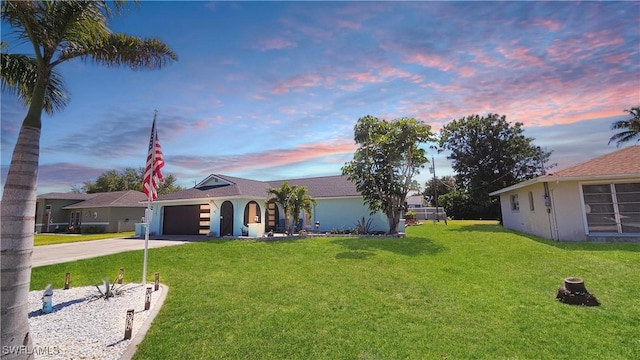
226	219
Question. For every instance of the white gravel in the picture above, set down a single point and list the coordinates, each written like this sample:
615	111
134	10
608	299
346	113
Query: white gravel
79	328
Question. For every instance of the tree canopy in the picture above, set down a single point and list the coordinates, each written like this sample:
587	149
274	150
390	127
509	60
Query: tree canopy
127	179
439	186
386	160
488	153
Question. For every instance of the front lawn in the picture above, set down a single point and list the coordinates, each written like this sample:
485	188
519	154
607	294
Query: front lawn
462	291
50	239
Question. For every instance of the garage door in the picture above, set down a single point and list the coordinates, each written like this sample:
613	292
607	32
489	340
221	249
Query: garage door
181	220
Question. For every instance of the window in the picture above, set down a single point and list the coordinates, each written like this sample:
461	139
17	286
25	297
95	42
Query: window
612	208
515	205
252	213
532	207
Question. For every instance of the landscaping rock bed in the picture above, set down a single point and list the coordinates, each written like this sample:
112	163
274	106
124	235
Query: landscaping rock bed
79	328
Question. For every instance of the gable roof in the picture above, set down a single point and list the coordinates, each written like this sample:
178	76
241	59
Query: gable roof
128	198
620	164
65	196
324	186
319	187
625	161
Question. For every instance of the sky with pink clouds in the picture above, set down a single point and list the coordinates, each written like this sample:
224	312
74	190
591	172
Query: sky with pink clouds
272	90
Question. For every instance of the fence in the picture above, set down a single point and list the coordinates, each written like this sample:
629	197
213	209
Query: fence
429	213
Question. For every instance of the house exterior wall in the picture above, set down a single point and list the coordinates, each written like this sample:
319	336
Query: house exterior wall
569	211
344	213
333	213
537	221
566	220
59	218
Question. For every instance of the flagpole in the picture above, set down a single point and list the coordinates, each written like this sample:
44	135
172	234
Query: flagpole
148	213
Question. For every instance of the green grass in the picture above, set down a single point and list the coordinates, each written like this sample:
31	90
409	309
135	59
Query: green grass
463	291
50	239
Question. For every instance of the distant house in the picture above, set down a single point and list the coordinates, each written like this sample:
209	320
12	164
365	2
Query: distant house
597	200
115	211
416	203
224	205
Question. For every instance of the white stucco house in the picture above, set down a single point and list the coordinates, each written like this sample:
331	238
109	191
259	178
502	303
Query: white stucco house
597	200
222	205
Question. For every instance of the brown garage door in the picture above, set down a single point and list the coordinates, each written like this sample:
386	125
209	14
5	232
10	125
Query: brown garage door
181	220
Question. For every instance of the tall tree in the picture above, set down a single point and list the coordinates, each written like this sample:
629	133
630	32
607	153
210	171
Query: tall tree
488	154
127	179
440	186
301	200
387	159
59	31
630	128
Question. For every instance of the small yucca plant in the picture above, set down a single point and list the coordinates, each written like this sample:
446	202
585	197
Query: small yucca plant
107	291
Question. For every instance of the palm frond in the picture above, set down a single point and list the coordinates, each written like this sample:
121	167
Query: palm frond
122	50
18	75
630	127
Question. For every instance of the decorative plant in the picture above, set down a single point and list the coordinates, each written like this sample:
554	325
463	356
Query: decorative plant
107	291
411	218
363	226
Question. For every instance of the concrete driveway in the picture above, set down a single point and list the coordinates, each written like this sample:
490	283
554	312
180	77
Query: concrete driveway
60	253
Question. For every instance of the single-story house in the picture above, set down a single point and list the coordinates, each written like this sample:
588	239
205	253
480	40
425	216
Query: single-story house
597	200
223	205
115	211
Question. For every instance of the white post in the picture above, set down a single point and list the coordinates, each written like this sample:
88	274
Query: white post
148	214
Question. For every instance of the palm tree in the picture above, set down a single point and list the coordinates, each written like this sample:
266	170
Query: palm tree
630	128
282	196
59	31
301	200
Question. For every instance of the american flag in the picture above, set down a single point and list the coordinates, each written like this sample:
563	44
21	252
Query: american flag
155	162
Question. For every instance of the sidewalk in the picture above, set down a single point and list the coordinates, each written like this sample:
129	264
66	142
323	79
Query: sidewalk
59	253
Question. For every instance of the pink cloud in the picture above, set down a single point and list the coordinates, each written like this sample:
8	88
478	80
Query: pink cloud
297	83
523	56
603	38
268	158
466	71
363	77
276	43
616	58
548	23
348	24
433	61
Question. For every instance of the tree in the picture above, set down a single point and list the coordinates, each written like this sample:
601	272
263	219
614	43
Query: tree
440	186
488	154
59	31
386	161
630	128
282	196
301	200
128	179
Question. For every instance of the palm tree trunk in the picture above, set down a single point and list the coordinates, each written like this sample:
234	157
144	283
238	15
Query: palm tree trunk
17	215
18	223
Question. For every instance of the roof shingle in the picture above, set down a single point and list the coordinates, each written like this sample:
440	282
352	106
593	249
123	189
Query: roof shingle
128	198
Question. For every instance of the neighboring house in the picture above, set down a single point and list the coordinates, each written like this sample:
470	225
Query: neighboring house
224	205
598	200
115	211
416	203
50	217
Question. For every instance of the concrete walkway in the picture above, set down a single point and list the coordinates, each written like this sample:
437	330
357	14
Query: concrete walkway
60	253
